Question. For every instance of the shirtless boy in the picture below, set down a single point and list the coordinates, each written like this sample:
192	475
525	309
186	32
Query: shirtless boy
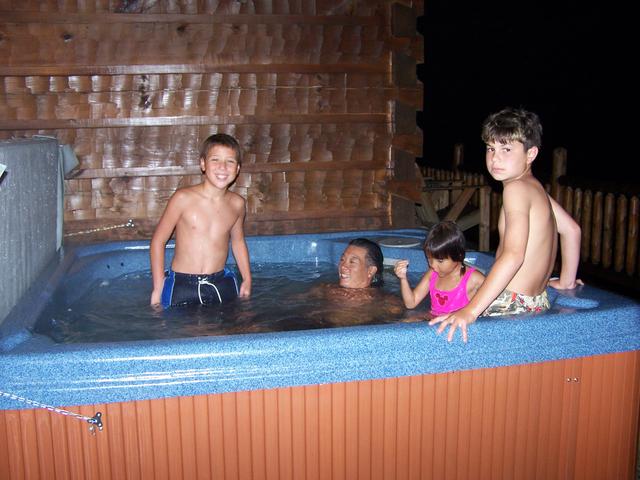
205	217
528	226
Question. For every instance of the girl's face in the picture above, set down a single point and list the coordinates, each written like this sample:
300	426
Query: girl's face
443	267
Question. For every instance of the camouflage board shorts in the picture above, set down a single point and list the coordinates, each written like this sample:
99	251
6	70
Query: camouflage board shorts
511	303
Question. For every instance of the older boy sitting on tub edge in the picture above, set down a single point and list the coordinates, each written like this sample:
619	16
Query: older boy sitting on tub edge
528	226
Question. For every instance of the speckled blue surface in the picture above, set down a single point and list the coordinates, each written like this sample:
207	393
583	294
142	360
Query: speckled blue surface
584	322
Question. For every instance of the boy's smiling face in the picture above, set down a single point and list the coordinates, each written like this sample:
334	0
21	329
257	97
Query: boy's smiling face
221	166
509	161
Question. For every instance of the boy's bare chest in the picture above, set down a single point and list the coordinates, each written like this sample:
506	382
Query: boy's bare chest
204	218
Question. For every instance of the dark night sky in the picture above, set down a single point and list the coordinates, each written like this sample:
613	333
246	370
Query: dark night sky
549	59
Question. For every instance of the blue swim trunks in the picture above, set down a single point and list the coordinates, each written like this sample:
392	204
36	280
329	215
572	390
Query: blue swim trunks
191	289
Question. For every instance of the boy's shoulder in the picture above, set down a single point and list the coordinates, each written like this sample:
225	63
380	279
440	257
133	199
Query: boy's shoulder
183	193
524	186
235	199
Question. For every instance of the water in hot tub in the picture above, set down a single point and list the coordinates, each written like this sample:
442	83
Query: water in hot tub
284	297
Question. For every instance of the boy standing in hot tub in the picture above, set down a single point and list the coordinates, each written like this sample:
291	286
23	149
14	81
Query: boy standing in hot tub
205	217
529	224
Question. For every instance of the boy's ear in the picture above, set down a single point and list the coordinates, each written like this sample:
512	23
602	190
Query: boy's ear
202	164
532	153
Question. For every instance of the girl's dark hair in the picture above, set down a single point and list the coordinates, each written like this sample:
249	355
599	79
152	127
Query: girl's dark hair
221	139
373	257
446	240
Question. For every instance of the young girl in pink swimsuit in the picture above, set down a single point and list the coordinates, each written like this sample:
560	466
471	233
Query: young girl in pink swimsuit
449	282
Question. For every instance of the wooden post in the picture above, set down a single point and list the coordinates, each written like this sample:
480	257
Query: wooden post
568	200
577	205
559	168
586	226
495	210
458	156
632	235
485	219
596	229
621	226
607	229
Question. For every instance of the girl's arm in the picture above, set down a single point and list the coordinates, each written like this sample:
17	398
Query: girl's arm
411	298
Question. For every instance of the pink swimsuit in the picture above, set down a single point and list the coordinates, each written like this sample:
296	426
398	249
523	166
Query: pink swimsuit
447	301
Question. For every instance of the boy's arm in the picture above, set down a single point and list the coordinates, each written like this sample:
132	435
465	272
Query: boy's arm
570	237
241	253
513	246
161	235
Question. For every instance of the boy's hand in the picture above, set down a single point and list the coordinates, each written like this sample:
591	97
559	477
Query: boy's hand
459	319
245	289
155	298
558	285
400	269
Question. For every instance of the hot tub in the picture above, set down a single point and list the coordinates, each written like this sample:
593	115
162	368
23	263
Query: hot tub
371	401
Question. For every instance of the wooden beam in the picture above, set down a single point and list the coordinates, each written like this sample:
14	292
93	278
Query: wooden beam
246	19
246	168
315	214
338	118
62	69
461	202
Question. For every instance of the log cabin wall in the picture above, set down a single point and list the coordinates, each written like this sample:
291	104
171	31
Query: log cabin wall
321	94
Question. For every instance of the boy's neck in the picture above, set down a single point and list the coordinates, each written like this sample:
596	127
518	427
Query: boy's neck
211	192
526	173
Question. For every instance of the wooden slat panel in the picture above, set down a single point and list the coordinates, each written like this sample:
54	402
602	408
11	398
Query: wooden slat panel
351	432
230	435
338	424
216	436
257	434
285	434
145	440
317	421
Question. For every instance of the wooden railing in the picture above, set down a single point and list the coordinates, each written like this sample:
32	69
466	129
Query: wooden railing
609	219
609	222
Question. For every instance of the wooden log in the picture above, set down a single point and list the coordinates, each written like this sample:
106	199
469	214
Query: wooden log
403	20
53	124
631	265
460	203
484	234
577	205
585	246
568	200
621	233
458	156
596	229
181	19
607	229
558	169
496	200
194	68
